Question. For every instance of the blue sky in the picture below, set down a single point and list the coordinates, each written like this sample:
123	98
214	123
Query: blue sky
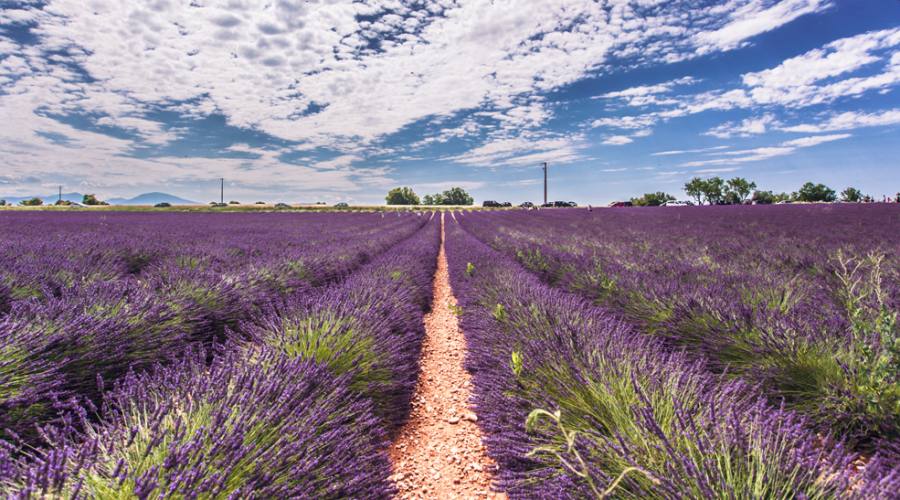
294	100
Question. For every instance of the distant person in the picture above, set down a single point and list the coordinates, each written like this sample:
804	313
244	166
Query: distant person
590	209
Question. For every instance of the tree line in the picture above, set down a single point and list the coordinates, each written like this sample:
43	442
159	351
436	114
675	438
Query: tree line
406	196
738	190
88	199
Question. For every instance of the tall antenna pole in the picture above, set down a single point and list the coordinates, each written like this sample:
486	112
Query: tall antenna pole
545	183
60	195
222	191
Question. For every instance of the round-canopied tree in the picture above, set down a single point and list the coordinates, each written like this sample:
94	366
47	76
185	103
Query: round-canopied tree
402	196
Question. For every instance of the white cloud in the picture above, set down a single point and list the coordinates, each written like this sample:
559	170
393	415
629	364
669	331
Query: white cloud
716	170
688	151
625	122
644	95
617	140
849	120
435	187
765	153
524	151
754	18
843	69
805	142
810	78
747	127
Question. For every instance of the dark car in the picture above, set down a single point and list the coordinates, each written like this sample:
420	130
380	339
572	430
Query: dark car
573	204
163	204
342	204
526	204
491	204
620	204
506	204
561	204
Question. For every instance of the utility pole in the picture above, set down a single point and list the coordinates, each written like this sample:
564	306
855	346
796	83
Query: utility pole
222	191
60	195
545	183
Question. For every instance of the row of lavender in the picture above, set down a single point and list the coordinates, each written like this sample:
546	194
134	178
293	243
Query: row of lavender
296	398
47	255
90	295
800	300
574	402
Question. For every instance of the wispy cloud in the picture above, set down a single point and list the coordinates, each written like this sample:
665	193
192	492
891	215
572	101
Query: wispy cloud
749	20
617	140
848	121
688	151
765	153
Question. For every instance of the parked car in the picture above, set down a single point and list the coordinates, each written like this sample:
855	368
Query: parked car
562	204
620	204
341	205
677	204
506	204
572	204
526	204
491	204
163	204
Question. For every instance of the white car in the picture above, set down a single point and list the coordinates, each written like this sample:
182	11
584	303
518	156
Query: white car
677	204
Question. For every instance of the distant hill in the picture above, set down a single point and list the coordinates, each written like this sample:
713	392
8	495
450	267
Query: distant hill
141	199
152	199
48	200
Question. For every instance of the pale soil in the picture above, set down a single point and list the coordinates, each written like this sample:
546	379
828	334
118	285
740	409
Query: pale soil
439	452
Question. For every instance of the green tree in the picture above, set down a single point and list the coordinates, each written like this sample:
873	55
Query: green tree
2	203
402	196
456	196
33	202
740	188
852	194
652	199
90	199
815	192
763	197
714	190
433	199
694	189
785	197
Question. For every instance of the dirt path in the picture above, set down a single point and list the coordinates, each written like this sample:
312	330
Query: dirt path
438	453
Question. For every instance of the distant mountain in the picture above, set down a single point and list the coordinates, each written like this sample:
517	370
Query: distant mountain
152	199
141	199
48	200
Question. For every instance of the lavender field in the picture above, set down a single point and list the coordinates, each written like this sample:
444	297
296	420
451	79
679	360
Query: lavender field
728	352
697	352
208	355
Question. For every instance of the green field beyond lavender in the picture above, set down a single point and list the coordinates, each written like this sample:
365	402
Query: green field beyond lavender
672	352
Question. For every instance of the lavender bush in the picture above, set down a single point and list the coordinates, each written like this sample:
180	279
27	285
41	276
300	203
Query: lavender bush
266	426
802	299
86	297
